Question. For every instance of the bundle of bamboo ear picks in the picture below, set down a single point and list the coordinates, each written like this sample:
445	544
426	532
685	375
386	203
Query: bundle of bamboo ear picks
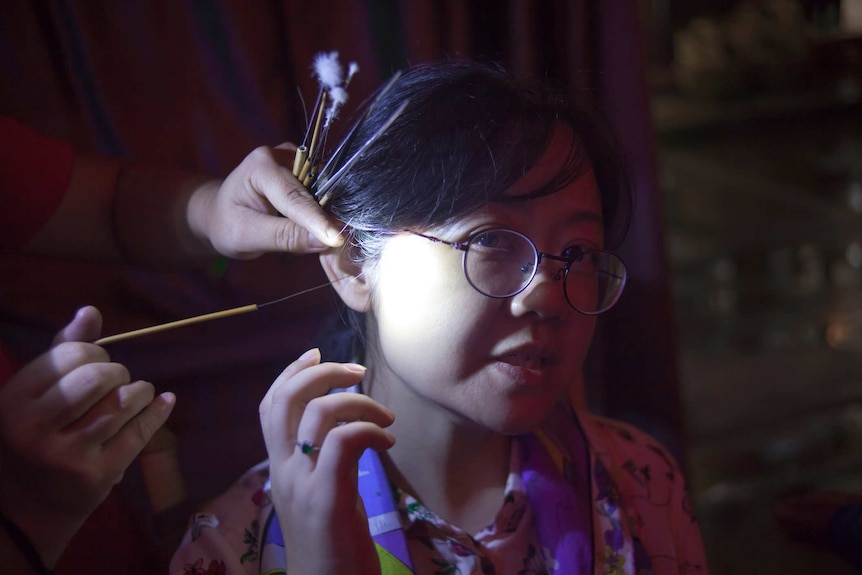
331	96
309	167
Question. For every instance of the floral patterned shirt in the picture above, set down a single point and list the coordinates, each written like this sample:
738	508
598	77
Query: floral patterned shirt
638	510
507	545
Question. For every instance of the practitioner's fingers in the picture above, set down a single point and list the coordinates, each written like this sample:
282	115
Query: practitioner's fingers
85	326
121	449
80	390
107	417
35	378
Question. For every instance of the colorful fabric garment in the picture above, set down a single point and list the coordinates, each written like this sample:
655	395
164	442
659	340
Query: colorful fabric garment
638	519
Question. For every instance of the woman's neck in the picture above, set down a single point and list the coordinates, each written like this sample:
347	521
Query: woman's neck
454	467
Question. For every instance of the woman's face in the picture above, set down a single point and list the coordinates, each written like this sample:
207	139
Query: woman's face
500	363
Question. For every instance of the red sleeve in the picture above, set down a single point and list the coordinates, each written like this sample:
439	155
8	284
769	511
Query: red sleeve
34	176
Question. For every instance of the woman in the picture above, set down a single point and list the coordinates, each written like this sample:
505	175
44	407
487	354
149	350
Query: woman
472	280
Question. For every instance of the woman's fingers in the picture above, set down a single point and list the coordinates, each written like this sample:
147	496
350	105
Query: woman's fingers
300	418
283	407
314	489
325	414
345	444
307	359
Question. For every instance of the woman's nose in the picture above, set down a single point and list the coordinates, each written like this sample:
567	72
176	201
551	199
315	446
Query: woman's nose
544	295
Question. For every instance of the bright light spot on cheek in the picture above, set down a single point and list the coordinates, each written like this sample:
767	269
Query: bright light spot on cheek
415	281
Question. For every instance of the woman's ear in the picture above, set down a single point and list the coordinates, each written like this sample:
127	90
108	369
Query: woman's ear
347	278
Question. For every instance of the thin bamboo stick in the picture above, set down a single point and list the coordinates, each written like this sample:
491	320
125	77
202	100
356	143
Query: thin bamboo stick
209	316
178	323
299	159
312	148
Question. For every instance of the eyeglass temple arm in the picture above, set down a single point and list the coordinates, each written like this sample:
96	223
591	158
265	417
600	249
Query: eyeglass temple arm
456	245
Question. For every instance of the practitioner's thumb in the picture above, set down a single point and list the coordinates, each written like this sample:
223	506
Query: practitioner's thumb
284	234
85	326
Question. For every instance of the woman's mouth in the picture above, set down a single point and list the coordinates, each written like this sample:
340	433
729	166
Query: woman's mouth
526	366
525	360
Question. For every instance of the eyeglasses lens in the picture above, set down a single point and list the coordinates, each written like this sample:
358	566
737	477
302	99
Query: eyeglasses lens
594	282
501	263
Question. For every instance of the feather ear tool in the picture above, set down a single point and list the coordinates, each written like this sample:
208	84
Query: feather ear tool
331	96
337	165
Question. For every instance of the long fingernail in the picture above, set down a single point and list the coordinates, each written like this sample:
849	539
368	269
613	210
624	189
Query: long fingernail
355	367
391	414
167	400
309	355
391	438
81	312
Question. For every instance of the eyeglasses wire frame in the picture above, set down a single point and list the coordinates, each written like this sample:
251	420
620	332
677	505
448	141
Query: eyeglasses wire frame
562	273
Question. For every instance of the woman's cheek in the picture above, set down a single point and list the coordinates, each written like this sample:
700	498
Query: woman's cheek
418	284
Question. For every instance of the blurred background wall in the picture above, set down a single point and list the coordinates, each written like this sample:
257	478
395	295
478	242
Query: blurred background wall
758	124
737	340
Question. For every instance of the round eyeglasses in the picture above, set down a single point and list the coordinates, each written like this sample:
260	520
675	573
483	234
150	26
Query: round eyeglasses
501	263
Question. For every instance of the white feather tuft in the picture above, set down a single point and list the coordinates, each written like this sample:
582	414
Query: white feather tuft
338	96
328	70
352	69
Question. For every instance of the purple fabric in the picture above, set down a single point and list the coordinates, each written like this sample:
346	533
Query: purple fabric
560	501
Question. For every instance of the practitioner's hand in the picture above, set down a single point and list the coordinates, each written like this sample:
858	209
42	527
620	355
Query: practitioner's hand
316	495
71	422
241	219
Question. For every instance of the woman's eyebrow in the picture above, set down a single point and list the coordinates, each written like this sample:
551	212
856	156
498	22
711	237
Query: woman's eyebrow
584	216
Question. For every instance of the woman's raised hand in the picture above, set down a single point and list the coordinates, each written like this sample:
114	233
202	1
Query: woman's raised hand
314	490
71	422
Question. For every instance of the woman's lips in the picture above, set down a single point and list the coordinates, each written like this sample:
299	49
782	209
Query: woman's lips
526	367
529	355
528	360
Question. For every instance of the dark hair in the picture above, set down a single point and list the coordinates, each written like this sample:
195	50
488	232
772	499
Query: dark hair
468	133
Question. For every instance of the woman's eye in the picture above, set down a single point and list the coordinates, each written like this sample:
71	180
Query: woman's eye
574	253
488	240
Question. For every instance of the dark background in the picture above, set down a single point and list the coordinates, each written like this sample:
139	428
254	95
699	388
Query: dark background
736	341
